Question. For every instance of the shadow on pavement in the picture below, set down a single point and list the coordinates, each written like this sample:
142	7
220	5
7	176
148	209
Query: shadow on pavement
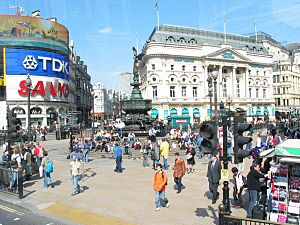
208	195
28	184
201	212
57	183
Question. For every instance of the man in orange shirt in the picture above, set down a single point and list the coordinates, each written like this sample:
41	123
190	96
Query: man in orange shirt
160	182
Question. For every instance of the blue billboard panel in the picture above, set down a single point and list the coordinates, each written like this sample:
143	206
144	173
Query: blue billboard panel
36	63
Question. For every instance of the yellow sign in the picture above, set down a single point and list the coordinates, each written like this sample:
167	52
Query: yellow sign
225	174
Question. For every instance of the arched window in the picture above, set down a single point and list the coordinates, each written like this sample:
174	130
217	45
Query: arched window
196	113
181	40
185	112
154	113
173	112
171	39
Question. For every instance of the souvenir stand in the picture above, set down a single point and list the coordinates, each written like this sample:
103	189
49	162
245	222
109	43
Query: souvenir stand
284	185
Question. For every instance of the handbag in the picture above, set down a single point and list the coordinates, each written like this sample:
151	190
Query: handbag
282	206
189	156
274	217
41	171
282	218
293	219
294	196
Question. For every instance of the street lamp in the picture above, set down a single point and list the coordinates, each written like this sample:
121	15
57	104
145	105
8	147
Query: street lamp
93	115
29	88
214	75
210	90
229	101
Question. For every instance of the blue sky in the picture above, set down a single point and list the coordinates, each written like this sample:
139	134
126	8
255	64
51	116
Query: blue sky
104	31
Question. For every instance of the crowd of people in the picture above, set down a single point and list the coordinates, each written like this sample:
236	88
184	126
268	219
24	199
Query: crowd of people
25	157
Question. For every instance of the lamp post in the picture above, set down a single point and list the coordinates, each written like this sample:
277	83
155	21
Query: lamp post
29	88
214	75
93	115
229	101
210	90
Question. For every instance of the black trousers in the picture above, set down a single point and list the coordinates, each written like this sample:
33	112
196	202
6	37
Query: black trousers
177	181
213	188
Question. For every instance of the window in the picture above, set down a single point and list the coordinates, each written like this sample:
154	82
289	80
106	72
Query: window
172	67
224	88
264	93
183	91
195	92
194	68
153	66
194	80
278	90
172	79
154	91
183	80
172	91
238	93
274	91
283	79
257	93
183	67
264	73
250	90
274	79
257	73
154	79
287	102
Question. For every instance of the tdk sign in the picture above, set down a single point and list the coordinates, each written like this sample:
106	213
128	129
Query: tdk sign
36	62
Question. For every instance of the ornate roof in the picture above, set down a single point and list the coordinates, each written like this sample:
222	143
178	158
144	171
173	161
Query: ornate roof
196	37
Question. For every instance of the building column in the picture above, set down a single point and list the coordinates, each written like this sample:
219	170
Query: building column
220	80
233	82
247	75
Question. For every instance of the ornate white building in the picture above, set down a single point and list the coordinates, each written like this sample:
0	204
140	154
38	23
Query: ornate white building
178	61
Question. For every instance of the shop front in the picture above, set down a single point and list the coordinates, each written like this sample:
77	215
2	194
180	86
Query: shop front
284	187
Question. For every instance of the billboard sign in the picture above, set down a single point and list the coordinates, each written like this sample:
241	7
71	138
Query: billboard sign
36	63
26	27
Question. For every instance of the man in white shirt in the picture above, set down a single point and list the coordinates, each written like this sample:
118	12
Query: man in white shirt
258	141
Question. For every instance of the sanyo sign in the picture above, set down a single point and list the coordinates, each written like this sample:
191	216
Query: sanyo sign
37	63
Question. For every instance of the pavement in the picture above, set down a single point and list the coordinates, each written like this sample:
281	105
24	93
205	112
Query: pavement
113	198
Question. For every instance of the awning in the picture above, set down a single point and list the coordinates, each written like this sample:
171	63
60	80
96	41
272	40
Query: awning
185	112
196	113
258	111
290	160
267	153
154	113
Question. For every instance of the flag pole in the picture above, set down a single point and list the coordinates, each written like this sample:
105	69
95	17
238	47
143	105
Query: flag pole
137	42
225	29
157	15
255	31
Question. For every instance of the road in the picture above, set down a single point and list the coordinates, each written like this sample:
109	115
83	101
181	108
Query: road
11	214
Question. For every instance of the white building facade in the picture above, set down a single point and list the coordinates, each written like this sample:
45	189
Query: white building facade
178	61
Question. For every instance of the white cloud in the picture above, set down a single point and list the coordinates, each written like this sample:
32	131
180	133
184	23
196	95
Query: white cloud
106	30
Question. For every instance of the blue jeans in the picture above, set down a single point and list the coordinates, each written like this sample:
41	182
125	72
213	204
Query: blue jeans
13	178
145	160
160	195
252	202
75	184
118	164
229	150
165	164
38	161
177	181
86	155
201	152
47	179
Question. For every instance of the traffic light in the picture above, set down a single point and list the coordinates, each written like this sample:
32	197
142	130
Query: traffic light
13	124
208	129
240	140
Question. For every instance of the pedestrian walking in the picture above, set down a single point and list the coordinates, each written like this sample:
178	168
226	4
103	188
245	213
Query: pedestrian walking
75	167
164	151
214	175
179	171
190	158
86	151
238	187
160	182
47	165
254	187
39	151
145	151
117	150
199	140
155	156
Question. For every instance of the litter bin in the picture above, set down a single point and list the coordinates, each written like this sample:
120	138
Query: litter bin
63	134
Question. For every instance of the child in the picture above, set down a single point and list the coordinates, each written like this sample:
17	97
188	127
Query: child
75	166
239	184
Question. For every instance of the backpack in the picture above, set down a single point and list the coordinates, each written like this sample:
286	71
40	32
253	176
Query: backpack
49	166
41	152
23	161
244	180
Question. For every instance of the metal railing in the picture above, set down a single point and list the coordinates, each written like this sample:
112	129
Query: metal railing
11	181
233	220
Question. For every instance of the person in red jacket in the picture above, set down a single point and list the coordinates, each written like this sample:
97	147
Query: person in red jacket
160	182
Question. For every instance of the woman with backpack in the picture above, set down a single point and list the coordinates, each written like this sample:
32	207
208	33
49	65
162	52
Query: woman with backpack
47	165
